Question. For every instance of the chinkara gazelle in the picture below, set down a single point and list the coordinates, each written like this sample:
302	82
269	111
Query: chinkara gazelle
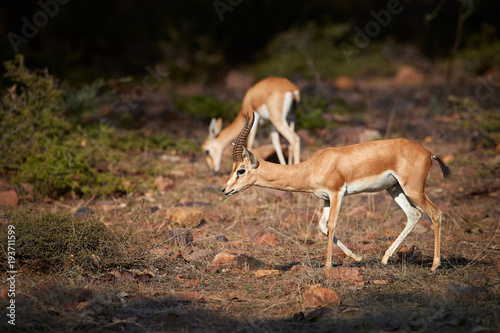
399	166
273	99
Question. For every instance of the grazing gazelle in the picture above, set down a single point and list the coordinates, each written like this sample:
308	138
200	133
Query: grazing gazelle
273	99
399	166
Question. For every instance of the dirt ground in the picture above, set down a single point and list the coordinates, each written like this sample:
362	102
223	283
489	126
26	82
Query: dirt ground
182	289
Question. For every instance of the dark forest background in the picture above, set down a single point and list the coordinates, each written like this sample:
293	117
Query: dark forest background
85	40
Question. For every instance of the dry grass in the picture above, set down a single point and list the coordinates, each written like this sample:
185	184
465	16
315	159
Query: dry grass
171	287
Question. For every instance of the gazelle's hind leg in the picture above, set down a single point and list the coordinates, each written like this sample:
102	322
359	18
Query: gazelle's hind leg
412	213
436	216
275	139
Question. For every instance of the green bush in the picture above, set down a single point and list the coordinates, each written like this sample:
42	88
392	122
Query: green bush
53	240
40	145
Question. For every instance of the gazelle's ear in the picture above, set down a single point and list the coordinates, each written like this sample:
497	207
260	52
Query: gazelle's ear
214	128
253	160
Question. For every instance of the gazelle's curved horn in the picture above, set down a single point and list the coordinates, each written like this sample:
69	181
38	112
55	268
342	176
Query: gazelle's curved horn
241	140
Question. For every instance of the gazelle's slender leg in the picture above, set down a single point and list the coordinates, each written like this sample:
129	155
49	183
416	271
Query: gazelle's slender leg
413	215
332	221
253	131
436	216
275	139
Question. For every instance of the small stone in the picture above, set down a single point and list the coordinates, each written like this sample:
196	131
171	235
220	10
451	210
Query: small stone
406	252
224	259
317	296
267	239
221	238
83	213
9	198
181	237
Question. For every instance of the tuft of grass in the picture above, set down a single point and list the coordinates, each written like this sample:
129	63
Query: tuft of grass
54	240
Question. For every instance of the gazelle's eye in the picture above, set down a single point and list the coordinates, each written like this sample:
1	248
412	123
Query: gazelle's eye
240	172
207	152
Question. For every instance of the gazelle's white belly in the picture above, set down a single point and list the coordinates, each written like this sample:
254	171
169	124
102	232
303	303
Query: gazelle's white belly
371	184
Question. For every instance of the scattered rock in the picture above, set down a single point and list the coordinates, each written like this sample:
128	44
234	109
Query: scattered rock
224	259
266	272
407	76
457	293
221	238
346	274
4	293
344	83
181	237
247	263
406	252
9	198
83	213
162	183
318	296
267	239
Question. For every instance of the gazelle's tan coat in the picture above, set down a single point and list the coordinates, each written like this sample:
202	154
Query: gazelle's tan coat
399	166
272	99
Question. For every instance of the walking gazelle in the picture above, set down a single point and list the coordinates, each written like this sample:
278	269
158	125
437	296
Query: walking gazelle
399	166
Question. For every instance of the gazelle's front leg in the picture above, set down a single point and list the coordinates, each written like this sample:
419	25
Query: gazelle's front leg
332	209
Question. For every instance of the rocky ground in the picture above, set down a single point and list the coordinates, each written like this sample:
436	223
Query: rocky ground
254	261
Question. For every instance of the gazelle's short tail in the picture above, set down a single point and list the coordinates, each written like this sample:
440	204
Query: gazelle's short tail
444	168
